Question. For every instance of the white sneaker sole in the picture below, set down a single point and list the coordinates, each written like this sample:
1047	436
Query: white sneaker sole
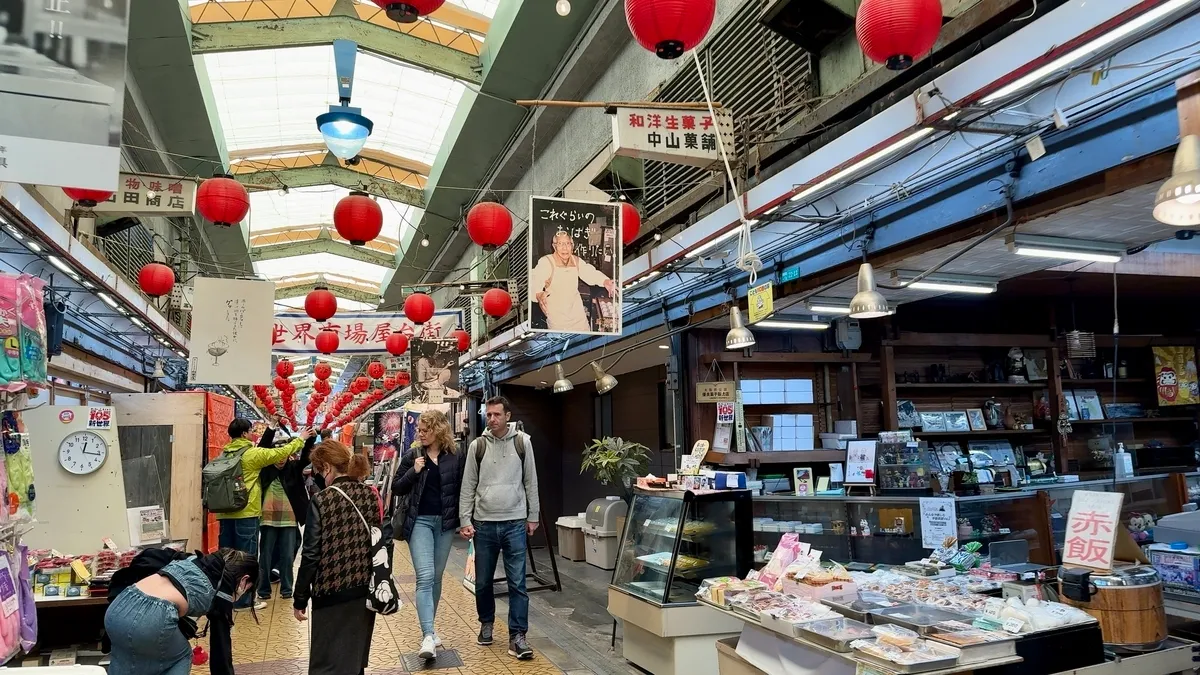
427	655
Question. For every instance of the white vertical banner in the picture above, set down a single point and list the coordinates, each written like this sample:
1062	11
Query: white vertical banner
231	332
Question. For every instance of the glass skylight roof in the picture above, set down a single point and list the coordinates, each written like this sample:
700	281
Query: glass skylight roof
484	7
271	98
323	263
344	304
308	206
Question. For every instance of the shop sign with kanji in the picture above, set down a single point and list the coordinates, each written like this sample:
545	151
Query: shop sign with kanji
151	195
1092	528
358	332
689	137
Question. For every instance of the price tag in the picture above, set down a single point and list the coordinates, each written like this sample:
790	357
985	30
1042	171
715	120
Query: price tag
992	611
1013	625
109	543
1056	609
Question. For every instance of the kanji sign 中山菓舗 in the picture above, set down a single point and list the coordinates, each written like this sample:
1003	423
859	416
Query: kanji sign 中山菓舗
677	136
1092	527
358	332
141	194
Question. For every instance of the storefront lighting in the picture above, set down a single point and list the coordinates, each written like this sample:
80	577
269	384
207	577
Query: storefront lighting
664	346
345	130
180	353
864	163
818	307
561	383
738	337
34	246
697	252
108	300
1090	49
1178	200
66	269
946	283
604	382
15	232
516	342
868	303
1065	249
793	325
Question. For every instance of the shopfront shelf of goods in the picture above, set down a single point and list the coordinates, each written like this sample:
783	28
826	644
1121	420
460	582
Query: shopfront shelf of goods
782	457
978	434
78	600
969	385
1135	420
1104	381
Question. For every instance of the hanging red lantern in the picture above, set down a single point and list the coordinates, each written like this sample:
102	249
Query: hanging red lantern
418	307
156	279
897	32
281	383
497	302
322	371
669	27
376	370
408	11
403	379
463	337
222	200
322	387
284	368
87	198
489	224
389	382
360	384
320	304
358	218
397	344
631	223
327	341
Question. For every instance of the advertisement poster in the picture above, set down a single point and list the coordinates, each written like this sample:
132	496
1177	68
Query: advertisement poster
860	463
358	332
388	428
64	91
574	267
435	370
761	302
232	344
1175	375
939	522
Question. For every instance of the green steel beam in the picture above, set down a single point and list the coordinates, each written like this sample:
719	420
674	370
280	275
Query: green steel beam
309	176
322	244
232	36
301	290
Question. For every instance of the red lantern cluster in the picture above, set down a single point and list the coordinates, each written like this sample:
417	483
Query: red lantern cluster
403	379
489	224
156	279
376	370
322	371
87	198
322	387
670	27
358	218
418	307
463	337
397	344
284	368
222	200
320	304
264	397
327	341
631	223
897	32
360	384
497	302
408	11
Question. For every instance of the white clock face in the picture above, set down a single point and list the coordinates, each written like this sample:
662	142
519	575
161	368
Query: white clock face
82	452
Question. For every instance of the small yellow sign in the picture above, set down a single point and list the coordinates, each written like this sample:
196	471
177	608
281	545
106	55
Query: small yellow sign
762	302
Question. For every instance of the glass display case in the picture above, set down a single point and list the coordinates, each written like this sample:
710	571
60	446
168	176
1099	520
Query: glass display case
1147	498
675	539
904	468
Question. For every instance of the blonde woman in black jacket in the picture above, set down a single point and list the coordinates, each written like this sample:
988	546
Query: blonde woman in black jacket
428	482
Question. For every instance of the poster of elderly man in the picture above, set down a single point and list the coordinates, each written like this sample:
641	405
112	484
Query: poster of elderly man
574	267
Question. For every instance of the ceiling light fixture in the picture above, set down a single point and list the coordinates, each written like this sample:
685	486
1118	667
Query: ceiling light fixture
1088	50
604	382
35	246
698	251
108	300
344	129
57	262
561	383
1064	249
424	241
14	232
826	307
864	163
868	303
1178	200
738	337
563	7
664	346
792	325
946	283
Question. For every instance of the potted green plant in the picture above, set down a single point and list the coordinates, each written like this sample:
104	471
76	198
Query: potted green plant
616	460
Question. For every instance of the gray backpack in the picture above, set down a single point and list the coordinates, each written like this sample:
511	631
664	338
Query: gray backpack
223	485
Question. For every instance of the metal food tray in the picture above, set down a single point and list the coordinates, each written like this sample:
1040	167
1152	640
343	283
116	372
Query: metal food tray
915	617
856	609
950	661
806	631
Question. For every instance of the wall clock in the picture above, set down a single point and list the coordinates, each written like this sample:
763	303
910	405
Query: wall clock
82	452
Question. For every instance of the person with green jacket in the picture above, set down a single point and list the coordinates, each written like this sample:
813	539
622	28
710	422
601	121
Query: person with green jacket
239	530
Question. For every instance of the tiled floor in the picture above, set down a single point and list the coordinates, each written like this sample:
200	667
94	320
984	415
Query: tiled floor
278	645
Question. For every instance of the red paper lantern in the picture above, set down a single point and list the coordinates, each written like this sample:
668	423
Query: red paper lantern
418	307
489	224
360	385
397	344
389	382
376	370
403	379
463	337
327	341
358	218
281	383
284	368
897	32
320	304
156	279
408	11
497	302
222	200
669	27
322	371
631	223
88	198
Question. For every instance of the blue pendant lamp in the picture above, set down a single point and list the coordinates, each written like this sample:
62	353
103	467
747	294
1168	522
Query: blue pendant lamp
344	129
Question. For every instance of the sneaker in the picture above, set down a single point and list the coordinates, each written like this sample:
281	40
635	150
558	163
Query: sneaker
437	641
485	634
428	648
518	647
258	605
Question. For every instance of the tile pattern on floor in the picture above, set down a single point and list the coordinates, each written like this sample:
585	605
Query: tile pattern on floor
278	644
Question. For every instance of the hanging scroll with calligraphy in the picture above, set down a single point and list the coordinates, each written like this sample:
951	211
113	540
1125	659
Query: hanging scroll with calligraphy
231	332
676	136
574	267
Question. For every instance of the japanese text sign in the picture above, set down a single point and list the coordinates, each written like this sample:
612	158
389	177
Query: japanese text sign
677	136
1092	527
100	418
358	332
137	193
715	392
231	339
761	302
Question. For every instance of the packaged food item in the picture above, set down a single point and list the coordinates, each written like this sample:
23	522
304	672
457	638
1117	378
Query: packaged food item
835	634
895	635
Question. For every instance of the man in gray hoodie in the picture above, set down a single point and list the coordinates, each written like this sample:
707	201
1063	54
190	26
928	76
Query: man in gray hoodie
498	507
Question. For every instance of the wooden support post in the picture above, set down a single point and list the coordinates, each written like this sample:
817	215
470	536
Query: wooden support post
1056	398
887	384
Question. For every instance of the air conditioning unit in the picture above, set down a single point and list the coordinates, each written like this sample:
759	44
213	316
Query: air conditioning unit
811	24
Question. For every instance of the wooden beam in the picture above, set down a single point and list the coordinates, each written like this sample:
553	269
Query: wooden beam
969	340
323	244
785	357
77	365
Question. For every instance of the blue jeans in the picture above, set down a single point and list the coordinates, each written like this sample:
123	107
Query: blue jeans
241	534
276	550
492	539
145	636
429	547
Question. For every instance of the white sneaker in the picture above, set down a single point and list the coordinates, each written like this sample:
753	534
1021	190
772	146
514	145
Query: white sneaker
259	605
428	648
437	641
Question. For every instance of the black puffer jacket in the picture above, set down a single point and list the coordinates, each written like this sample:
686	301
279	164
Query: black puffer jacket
410	485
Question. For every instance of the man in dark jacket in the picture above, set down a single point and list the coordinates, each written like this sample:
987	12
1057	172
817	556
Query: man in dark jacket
284	509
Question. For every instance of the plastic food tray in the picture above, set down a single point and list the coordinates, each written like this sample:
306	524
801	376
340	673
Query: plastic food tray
950	660
997	647
915	617
820	633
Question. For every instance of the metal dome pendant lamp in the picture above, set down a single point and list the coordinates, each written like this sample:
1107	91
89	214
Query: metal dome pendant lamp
1178	200
738	337
561	383
868	303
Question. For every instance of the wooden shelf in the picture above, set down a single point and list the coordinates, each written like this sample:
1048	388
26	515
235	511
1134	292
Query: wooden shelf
785	357
980	434
1136	420
1100	381
781	457
970	385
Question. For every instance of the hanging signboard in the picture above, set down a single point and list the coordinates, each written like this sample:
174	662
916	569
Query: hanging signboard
571	242
62	91
141	194
435	370
761	302
715	392
676	136
358	332
231	343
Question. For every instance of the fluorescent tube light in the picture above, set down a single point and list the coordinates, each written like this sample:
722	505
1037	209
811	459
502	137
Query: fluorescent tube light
57	262
865	162
947	283
1097	45
797	325
821	307
696	252
35	246
108	300
951	288
14	232
1065	249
